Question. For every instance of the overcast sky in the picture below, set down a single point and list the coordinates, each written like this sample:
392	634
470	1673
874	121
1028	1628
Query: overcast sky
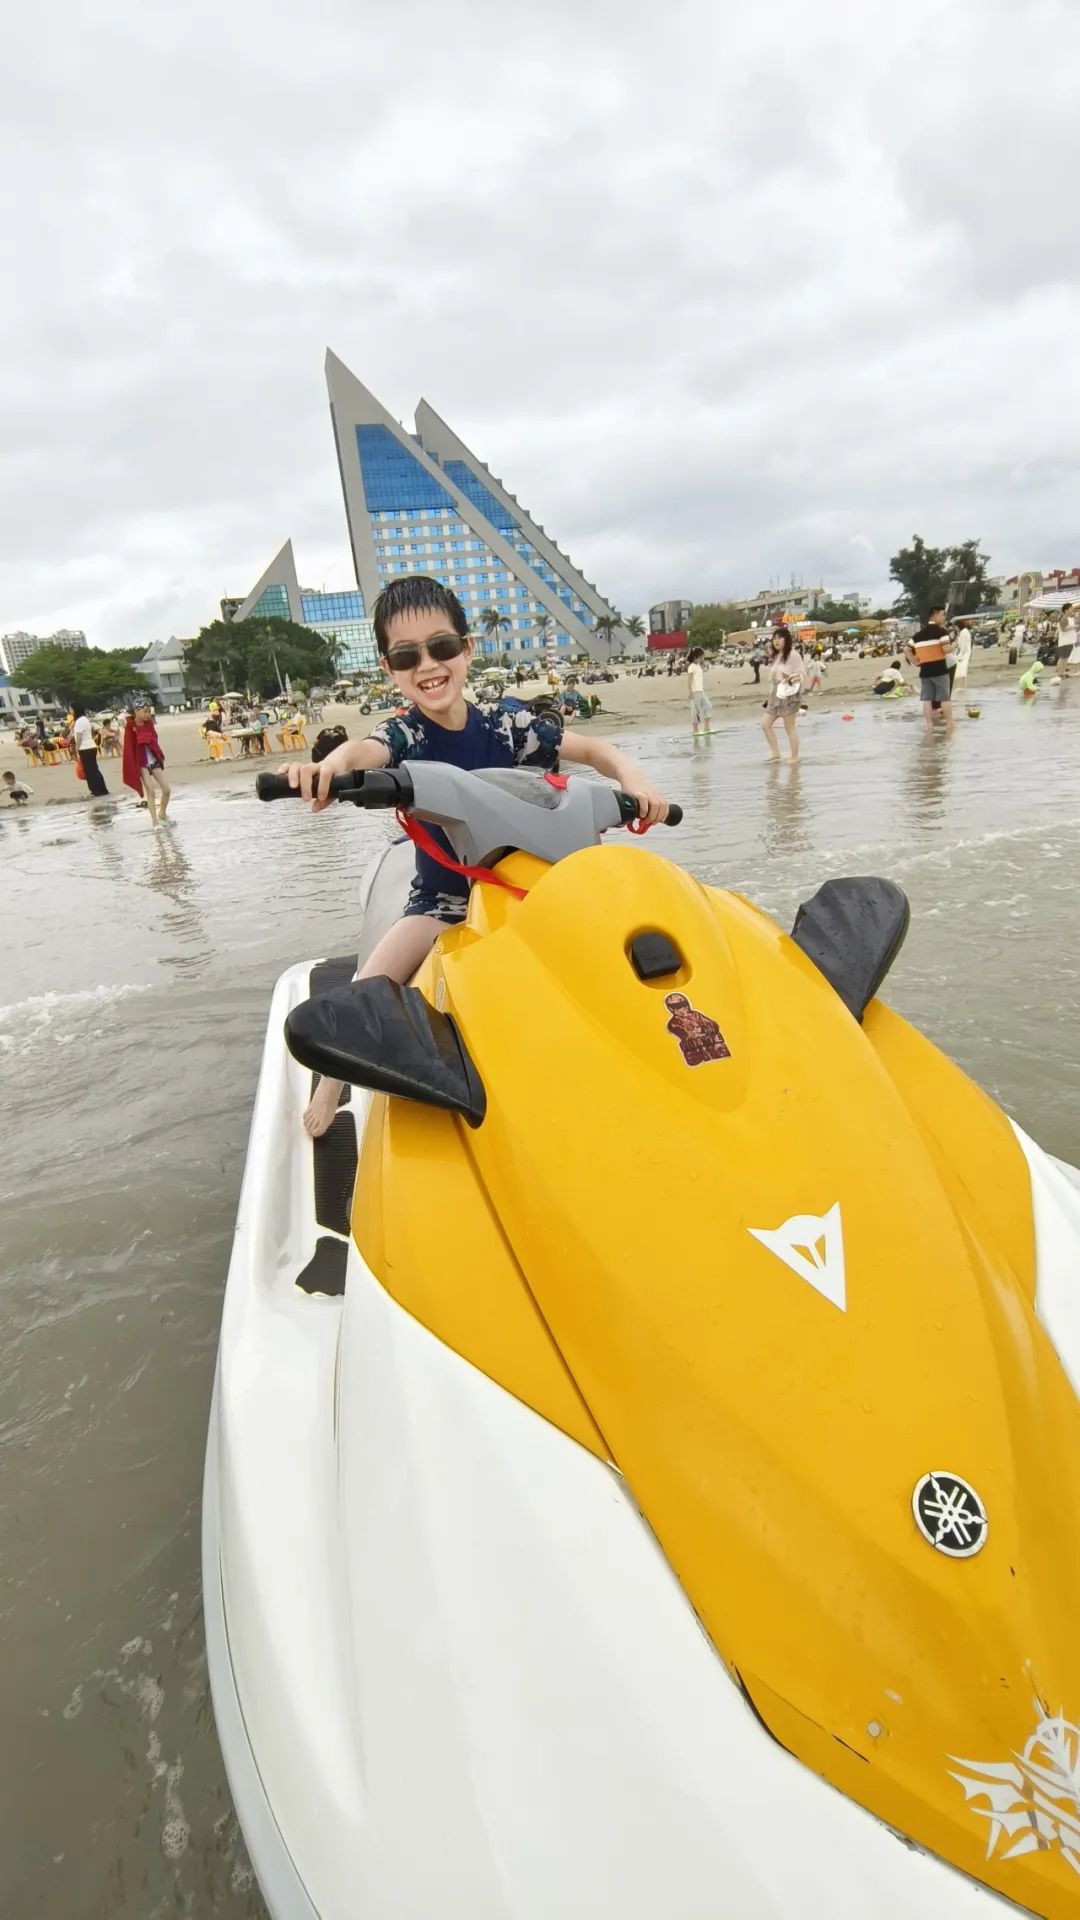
725	294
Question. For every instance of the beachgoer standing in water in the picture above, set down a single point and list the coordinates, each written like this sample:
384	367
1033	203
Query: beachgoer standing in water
86	748
928	650
700	704
786	671
144	762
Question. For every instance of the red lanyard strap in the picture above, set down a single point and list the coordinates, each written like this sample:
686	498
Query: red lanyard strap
425	842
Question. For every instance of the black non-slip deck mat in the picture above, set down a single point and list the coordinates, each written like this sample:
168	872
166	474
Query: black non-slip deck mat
334	1155
324	975
325	1271
332	973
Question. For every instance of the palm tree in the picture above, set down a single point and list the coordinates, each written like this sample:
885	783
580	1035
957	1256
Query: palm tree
635	626
606	624
493	622
543	628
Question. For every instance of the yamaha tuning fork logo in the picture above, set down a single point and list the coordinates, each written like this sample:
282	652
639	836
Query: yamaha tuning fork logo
950	1515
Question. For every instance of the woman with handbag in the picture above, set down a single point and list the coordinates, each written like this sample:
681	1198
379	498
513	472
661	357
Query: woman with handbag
787	670
82	734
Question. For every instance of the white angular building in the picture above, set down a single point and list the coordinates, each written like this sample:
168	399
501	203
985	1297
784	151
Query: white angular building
423	503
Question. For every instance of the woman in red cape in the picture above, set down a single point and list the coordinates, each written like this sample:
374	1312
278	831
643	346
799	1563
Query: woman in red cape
143	764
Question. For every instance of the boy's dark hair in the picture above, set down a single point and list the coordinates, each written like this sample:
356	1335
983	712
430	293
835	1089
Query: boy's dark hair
415	593
933	610
8	775
896	664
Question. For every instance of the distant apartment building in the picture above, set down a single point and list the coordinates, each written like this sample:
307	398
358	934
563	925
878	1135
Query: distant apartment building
763	606
17	647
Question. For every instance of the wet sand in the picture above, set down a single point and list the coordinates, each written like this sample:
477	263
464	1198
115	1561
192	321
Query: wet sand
629	704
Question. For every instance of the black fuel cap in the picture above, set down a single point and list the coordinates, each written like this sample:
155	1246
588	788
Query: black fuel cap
653	956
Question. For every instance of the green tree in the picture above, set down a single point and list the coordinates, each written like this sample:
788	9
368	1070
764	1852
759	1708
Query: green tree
542	628
90	674
605	624
833	611
493	622
257	656
954	577
711	623
635	626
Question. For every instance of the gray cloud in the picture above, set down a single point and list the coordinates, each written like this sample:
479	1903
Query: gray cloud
723	295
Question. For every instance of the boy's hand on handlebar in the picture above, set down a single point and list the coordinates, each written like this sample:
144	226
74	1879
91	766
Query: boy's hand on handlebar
313	777
651	805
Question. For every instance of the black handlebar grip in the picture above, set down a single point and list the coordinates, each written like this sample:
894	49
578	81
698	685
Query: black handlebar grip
275	786
628	810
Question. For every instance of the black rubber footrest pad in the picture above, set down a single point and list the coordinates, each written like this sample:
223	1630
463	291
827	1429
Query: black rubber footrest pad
334	1154
324	975
332	973
325	1271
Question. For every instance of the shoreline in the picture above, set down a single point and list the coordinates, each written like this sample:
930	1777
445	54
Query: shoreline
632	704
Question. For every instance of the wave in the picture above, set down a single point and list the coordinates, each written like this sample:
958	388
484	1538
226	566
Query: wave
57	1015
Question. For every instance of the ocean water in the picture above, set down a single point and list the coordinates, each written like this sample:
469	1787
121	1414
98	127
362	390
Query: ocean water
135	980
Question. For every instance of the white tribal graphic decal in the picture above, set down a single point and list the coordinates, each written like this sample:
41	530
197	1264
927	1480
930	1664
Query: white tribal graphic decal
1033	1800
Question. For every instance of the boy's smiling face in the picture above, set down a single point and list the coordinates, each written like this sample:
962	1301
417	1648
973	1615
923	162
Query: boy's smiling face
434	685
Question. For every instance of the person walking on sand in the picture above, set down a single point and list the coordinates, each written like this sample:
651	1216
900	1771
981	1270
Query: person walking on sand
86	748
786	672
700	704
928	650
144	763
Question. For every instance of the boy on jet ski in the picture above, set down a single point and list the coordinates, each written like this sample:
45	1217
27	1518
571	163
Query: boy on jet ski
423	636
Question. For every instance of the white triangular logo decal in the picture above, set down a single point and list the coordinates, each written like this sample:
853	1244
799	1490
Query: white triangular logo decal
813	1248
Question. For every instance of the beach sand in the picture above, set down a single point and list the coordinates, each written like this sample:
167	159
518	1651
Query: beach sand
627	704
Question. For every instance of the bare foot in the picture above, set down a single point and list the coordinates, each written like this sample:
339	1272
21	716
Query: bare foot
324	1105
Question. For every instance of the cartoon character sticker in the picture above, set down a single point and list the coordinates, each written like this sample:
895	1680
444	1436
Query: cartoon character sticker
699	1038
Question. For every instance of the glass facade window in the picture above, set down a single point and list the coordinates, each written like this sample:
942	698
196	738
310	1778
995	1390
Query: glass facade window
392	475
318	607
356	649
480	496
272	604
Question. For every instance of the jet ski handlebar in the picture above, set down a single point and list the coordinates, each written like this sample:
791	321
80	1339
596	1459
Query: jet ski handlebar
392	787
378	787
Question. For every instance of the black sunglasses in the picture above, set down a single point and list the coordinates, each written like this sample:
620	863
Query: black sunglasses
445	646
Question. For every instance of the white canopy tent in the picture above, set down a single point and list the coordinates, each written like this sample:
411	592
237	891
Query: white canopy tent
1051	602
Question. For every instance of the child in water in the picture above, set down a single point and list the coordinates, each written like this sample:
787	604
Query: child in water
16	790
1028	682
423	637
